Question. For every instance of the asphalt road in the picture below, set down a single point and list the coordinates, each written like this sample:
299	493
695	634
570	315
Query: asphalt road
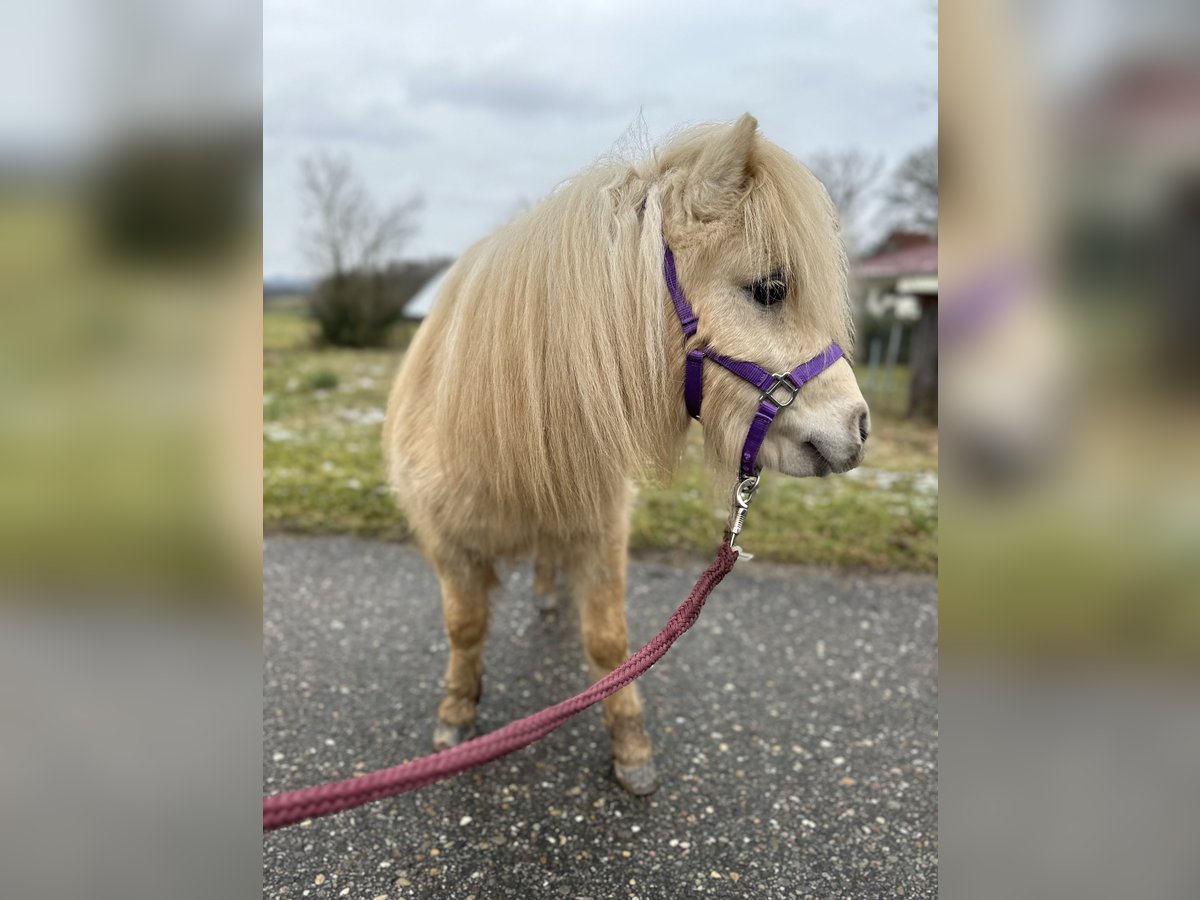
795	726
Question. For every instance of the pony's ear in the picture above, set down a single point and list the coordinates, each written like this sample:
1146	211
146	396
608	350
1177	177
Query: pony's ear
722	170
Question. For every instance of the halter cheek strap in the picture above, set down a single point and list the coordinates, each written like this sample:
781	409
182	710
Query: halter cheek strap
776	390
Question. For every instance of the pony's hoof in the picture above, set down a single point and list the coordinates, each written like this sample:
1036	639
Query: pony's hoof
447	736
637	780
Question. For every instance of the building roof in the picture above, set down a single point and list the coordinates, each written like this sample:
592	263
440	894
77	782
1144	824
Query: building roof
920	259
1143	99
422	302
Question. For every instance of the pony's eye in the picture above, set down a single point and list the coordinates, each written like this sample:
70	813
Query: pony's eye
769	291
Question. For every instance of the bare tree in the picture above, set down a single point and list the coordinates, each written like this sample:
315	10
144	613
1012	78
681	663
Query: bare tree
352	242
850	177
344	230
912	196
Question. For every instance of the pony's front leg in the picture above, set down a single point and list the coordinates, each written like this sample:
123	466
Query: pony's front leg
465	587
597	578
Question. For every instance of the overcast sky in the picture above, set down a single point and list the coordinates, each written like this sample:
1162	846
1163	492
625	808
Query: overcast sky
483	107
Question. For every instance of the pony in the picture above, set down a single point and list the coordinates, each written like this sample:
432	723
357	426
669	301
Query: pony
548	377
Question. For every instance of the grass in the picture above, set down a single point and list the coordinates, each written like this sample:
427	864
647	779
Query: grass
886	393
1110	577
323	473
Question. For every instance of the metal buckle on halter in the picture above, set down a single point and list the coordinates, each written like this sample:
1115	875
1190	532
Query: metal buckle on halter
780	380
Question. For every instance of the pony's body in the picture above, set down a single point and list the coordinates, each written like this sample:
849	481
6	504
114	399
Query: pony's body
549	374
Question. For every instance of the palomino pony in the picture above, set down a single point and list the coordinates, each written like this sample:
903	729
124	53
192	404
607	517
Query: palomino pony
550	373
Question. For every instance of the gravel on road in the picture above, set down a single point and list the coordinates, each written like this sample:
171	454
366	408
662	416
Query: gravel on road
795	730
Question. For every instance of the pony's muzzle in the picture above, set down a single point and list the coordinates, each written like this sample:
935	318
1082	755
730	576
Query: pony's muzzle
842	447
858	426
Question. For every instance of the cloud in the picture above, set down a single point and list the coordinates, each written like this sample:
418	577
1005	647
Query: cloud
485	105
310	112
505	92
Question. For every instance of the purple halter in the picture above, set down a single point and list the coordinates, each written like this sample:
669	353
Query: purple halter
777	390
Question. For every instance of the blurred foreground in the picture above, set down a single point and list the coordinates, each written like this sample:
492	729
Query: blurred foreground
129	451
1070	551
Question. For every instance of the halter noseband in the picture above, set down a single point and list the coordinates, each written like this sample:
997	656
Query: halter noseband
776	390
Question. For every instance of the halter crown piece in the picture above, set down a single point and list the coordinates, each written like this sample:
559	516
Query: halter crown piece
776	390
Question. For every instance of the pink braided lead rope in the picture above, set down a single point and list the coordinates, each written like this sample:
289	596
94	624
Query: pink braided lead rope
290	807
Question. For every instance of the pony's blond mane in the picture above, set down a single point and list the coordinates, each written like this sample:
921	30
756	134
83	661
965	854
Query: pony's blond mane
552	356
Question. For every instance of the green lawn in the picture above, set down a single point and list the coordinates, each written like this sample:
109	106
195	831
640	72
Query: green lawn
322	472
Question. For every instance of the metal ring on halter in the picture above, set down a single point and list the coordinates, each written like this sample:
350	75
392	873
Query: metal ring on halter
746	490
780	380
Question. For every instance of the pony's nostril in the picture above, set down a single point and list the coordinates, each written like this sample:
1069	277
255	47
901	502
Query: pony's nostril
864	426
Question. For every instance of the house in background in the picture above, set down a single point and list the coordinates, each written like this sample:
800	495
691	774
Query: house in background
1130	217
422	302
899	282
